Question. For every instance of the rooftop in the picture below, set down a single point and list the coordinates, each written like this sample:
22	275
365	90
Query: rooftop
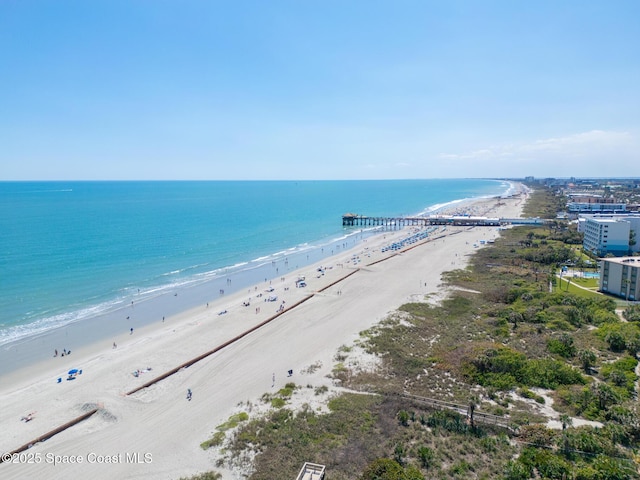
311	471
634	261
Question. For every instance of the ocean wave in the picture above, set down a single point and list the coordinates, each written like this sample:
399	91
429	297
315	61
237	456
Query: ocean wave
52	190
43	325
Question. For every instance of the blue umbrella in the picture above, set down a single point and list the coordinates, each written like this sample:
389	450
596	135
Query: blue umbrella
73	371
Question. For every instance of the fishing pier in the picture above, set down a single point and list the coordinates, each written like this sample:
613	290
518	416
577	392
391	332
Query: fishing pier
355	220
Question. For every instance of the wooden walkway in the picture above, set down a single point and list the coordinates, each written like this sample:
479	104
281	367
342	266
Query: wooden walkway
478	417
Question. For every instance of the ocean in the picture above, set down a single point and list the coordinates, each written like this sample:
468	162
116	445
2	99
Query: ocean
72	251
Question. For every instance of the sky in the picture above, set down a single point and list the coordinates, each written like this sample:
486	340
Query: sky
310	89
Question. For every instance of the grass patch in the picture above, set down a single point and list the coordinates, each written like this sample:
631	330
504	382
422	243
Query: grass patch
566	286
287	391
321	390
219	436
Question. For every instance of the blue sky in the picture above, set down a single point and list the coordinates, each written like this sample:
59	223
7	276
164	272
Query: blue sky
318	89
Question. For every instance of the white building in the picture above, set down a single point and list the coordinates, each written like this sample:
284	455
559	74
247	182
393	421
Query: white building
584	207
610	235
631	216
619	276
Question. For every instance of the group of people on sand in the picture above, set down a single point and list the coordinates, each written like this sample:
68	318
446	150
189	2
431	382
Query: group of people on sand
64	352
138	372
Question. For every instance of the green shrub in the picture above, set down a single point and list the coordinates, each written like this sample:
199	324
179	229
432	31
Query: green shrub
632	313
516	470
204	476
426	456
504	368
563	346
537	434
547	373
387	469
287	391
320	390
548	464
214	441
526	393
622	373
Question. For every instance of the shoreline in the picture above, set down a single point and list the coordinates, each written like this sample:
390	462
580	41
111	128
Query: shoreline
310	333
31	316
175	300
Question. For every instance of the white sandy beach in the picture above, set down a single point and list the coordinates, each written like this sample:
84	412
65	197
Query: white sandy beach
156	433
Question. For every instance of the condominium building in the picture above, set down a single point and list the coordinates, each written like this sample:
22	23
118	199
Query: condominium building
619	276
604	235
585	207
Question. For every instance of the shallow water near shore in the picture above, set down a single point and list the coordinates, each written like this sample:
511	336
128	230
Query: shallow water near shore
102	251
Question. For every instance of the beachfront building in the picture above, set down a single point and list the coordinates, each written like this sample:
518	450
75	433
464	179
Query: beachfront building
632	217
578	205
604	236
619	276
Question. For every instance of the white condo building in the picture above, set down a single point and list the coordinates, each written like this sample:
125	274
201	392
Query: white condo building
604	236
619	276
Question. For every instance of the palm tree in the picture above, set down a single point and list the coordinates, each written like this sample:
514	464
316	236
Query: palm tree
566	421
605	395
587	359
473	403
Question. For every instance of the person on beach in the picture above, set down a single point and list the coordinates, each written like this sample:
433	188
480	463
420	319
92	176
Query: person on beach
131	331
55	354
28	417
189	394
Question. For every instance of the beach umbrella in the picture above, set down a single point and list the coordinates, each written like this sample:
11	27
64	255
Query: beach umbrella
73	371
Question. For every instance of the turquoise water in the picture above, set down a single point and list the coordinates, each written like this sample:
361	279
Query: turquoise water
74	250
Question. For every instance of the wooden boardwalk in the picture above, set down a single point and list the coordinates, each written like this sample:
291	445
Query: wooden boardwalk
478	417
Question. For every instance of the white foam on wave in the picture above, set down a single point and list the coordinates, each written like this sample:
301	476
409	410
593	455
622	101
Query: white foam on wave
45	324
